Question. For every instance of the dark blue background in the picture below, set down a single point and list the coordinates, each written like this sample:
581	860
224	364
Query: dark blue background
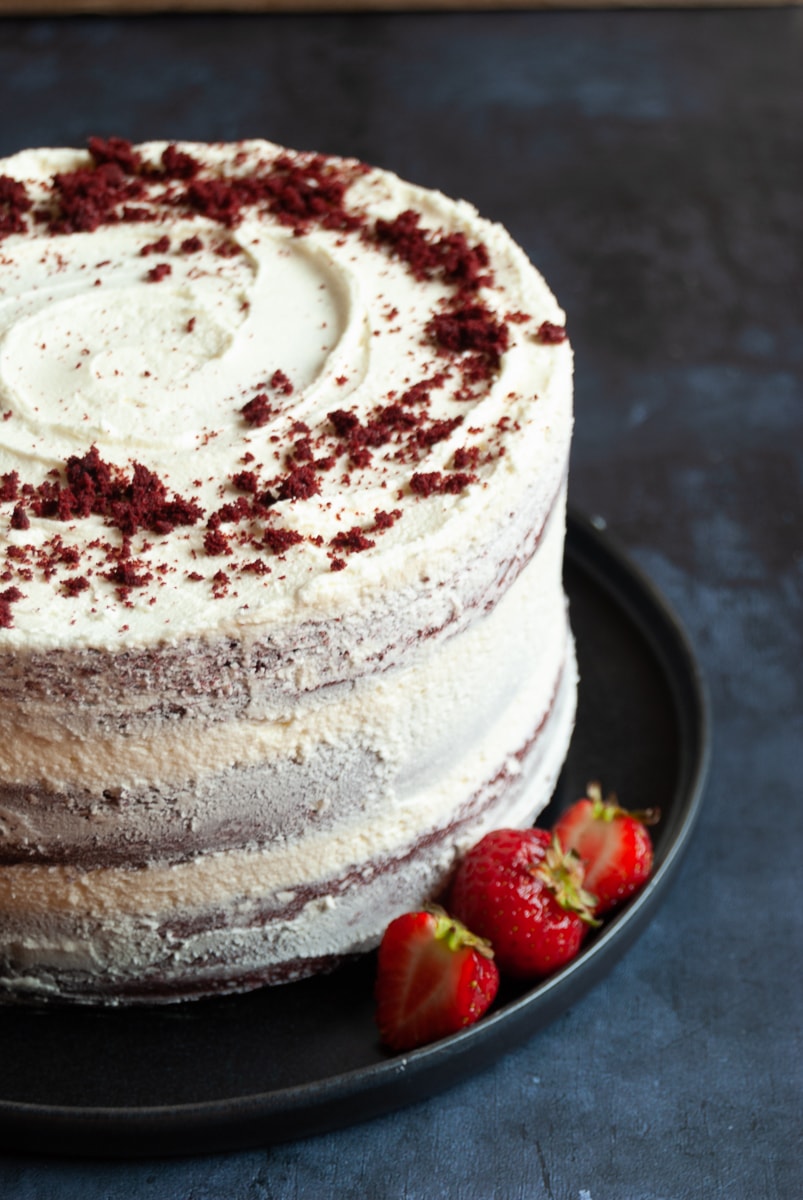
652	165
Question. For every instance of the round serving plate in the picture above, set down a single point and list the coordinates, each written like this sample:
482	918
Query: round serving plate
290	1061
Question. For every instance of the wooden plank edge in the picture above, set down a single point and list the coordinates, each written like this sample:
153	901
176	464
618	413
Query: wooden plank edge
33	8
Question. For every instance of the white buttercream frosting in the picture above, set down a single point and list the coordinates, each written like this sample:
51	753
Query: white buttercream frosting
93	354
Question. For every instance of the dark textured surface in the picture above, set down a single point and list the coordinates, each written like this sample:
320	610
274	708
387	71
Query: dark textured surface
651	164
230	1073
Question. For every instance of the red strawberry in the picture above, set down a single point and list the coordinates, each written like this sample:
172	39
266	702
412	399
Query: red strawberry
518	889
434	977
613	844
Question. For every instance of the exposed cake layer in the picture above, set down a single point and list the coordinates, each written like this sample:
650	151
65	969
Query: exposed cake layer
334	760
234	920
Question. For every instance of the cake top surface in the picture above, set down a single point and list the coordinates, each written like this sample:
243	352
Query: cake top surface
241	385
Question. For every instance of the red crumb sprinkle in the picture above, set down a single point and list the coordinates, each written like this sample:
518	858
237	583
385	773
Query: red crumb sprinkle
549	334
337	564
246	481
280	540
302	450
157	273
14	203
158	247
217	199
220	584
438	431
257	411
192	245
351	540
343	422
471	327
466	457
72	587
115	150
216	543
280	383
86	199
428	254
130	503
128	574
9	485
227	249
430	483
384	520
300	484
7	598
257	566
177	164
19	518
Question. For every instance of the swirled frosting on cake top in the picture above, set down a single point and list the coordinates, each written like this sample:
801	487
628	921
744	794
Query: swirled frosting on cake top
241	386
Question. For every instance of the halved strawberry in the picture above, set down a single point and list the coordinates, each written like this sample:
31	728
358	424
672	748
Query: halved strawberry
520	890
434	977
613	844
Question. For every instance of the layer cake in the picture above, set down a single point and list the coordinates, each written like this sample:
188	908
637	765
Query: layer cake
283	460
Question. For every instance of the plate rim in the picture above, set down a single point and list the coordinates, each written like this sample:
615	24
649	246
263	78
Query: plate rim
299	1110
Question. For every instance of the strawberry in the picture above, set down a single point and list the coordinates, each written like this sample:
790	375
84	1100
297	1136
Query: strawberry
614	845
518	888
434	977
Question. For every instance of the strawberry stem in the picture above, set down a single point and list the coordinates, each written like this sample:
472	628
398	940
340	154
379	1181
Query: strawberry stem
456	934
606	810
562	872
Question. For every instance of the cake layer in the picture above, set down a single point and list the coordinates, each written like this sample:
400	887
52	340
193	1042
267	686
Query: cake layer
232	920
337	759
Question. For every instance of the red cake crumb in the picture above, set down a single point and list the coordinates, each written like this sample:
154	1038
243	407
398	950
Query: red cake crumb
300	484
466	456
430	483
158	273
448	256
161	246
88	198
470	327
14	203
438	431
115	150
177	164
128	574
19	518
549	334
384	520
216	543
352	541
280	540
258	411
75	585
9	485
8	597
245	481
280	383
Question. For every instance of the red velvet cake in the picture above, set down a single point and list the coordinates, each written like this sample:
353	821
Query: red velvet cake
283	460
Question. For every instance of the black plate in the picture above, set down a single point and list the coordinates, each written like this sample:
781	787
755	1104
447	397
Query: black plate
295	1060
